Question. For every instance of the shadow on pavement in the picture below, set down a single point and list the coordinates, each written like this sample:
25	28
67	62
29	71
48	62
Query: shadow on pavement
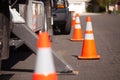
6	76
16	55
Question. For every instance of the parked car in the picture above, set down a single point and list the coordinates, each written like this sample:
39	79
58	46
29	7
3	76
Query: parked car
61	17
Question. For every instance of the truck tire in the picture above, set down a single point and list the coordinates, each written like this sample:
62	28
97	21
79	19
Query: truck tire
66	28
4	29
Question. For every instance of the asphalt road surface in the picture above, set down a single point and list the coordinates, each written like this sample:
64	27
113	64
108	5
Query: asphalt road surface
20	65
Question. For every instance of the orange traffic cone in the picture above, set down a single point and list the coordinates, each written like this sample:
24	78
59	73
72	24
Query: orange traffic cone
44	68
77	33
89	47
73	19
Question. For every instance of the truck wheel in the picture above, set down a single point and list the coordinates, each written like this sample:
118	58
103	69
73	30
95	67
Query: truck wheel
4	29
66	28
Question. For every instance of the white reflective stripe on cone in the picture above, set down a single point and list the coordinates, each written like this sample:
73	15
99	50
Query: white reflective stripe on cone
44	61
77	20
77	26
89	26
89	37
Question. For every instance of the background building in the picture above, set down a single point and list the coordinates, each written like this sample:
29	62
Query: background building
78	5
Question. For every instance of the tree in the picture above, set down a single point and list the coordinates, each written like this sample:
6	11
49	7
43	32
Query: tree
104	3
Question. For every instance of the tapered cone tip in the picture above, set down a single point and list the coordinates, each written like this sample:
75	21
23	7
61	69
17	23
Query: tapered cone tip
77	15
88	19
43	40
